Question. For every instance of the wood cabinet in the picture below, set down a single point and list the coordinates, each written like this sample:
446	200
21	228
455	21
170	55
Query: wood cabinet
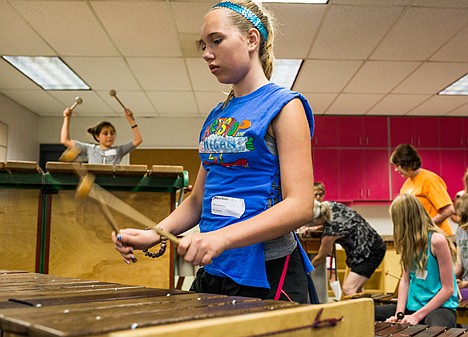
364	132
453	132
421	132
364	175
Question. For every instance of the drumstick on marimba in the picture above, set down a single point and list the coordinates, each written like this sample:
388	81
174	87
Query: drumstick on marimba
113	93
87	188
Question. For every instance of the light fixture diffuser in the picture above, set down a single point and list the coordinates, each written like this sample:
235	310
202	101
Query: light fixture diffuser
49	72
285	72
459	87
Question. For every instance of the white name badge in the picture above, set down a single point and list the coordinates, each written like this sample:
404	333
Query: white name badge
111	152
421	275
226	206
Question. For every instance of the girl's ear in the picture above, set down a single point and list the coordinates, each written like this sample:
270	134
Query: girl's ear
253	38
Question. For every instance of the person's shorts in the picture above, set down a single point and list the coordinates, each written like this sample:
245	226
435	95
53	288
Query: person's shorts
368	266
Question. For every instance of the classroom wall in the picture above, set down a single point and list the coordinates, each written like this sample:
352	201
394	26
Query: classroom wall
23	133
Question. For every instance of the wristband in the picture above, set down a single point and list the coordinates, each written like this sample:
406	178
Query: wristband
134	126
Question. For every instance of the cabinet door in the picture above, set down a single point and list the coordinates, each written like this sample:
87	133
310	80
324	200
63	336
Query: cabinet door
426	132
401	131
352	175
454	164
430	160
326	170
363	132
375	131
452	133
364	175
377	176
326	131
421	132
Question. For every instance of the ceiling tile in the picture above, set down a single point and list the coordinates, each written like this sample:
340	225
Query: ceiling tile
460	111
441	3
319	102
69	27
439	105
174	103
93	104
139	28
137	101
352	32
17	37
325	76
397	105
380	77
351	104
431	78
297	26
456	50
104	73
420	33
160	73
38	101
189	15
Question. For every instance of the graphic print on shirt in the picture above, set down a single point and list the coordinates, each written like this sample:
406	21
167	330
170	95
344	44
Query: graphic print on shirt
226	135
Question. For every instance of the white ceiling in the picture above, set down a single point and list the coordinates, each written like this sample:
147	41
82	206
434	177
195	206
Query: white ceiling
361	57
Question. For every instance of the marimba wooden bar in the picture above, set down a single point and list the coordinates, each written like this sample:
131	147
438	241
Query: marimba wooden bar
385	329
39	305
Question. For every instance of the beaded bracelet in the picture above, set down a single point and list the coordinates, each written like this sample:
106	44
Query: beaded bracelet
161	251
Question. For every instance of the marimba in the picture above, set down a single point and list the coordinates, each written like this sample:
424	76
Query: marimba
385	329
46	229
39	305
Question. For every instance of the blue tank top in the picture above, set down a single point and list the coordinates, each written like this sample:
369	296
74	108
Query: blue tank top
242	175
425	285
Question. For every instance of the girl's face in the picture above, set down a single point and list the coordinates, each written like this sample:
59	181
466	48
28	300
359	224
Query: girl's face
225	48
106	137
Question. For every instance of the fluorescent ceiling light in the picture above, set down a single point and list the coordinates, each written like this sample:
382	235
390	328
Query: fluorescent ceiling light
459	87
285	72
50	73
321	2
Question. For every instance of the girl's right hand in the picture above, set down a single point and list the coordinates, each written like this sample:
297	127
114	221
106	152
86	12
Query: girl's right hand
67	112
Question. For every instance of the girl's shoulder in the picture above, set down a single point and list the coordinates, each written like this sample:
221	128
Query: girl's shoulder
438	241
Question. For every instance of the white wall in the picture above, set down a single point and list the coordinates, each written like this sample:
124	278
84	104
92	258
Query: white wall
23	132
377	216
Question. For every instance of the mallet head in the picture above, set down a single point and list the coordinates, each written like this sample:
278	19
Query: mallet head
85	185
112	92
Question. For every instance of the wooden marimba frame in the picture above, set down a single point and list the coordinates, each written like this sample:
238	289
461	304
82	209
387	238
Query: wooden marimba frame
39	305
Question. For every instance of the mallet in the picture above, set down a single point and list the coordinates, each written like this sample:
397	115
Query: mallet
113	93
78	100
87	188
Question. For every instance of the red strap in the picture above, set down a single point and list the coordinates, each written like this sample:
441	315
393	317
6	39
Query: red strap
283	276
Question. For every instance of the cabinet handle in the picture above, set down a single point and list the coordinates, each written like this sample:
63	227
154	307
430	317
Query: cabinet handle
362	193
360	140
367	140
419	141
368	192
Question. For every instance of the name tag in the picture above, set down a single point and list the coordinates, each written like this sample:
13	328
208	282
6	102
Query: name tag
421	274
226	206
110	152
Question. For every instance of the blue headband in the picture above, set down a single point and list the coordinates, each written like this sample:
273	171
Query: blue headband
246	13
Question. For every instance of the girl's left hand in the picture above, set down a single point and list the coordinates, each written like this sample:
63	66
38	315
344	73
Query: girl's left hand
129	114
201	248
410	319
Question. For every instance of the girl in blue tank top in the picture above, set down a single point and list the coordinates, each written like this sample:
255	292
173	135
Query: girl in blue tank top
255	183
427	293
